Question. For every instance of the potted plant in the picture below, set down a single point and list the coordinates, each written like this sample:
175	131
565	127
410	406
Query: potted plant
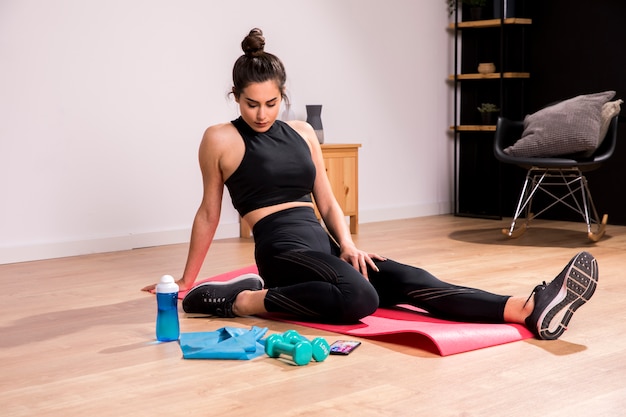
487	112
475	7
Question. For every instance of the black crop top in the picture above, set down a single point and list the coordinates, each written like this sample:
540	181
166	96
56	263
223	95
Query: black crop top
276	168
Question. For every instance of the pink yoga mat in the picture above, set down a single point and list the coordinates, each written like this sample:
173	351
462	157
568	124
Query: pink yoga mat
402	324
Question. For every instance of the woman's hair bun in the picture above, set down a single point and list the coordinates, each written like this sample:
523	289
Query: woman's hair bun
254	44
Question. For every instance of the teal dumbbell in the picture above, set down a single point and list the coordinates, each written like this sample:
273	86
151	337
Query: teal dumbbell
319	345
301	353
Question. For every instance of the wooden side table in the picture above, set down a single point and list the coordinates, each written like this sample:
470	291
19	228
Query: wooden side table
342	167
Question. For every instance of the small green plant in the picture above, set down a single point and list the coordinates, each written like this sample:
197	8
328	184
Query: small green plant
475	3
488	108
470	3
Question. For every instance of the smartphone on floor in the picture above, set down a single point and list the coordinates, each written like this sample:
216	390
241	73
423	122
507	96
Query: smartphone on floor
343	347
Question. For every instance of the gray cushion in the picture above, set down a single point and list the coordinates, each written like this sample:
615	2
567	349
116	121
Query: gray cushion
609	111
569	127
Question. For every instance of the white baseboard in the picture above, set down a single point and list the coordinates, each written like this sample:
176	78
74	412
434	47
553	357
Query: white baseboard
141	240
406	212
41	251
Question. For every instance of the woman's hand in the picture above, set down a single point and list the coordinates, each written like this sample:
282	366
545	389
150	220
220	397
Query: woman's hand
150	288
181	286
360	259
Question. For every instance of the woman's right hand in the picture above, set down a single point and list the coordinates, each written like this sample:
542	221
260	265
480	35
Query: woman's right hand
181	286
150	288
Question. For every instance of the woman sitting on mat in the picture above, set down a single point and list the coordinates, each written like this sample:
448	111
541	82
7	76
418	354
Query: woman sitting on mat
271	168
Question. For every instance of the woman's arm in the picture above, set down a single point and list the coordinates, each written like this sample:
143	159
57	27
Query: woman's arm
331	212
208	214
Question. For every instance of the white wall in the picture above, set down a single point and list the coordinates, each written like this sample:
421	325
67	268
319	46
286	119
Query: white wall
103	104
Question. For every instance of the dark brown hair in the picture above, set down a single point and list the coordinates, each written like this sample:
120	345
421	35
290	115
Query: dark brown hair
256	65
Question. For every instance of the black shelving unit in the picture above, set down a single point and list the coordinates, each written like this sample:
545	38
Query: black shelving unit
501	39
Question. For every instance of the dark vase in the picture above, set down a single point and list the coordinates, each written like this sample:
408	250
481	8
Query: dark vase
488	118
476	13
314	118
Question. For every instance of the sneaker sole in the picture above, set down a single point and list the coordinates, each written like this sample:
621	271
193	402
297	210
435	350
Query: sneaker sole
578	286
230	281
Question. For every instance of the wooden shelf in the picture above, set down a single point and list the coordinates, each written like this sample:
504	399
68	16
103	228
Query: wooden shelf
491	76
491	23
475	128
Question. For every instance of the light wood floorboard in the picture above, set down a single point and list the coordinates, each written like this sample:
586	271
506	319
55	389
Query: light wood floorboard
77	337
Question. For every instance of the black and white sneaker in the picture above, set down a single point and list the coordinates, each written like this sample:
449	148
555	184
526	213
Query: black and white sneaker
217	298
556	302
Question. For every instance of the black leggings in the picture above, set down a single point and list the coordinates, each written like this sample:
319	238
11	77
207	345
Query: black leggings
305	277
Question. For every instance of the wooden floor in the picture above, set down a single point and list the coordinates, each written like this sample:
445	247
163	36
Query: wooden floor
77	337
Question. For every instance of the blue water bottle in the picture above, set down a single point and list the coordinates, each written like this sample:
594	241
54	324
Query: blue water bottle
167	326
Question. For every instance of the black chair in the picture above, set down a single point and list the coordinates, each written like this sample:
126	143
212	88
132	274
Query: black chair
548	175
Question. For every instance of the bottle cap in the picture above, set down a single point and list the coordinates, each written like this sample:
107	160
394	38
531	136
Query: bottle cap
167	285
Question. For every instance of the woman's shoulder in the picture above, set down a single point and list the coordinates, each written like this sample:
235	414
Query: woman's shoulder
220	131
219	135
299	125
303	129
218	140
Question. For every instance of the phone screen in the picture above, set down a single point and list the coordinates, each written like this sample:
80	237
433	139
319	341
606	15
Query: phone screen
343	347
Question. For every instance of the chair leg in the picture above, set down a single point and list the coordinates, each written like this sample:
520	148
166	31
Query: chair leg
573	181
524	205
588	210
596	235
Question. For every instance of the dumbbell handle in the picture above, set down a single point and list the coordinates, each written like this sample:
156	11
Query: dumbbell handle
319	345
301	353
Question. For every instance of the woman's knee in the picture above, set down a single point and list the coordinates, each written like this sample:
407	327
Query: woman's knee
360	304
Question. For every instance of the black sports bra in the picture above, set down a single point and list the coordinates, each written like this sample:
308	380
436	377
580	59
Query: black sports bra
276	168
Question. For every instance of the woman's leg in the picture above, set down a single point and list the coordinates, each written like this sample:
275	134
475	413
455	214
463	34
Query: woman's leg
546	312
303	274
397	283
317	286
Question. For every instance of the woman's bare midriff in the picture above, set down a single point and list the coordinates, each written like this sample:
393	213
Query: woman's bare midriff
254	216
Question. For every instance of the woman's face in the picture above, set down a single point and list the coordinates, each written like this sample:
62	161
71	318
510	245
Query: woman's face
259	104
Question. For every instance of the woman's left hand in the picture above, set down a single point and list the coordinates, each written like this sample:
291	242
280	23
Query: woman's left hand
359	259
